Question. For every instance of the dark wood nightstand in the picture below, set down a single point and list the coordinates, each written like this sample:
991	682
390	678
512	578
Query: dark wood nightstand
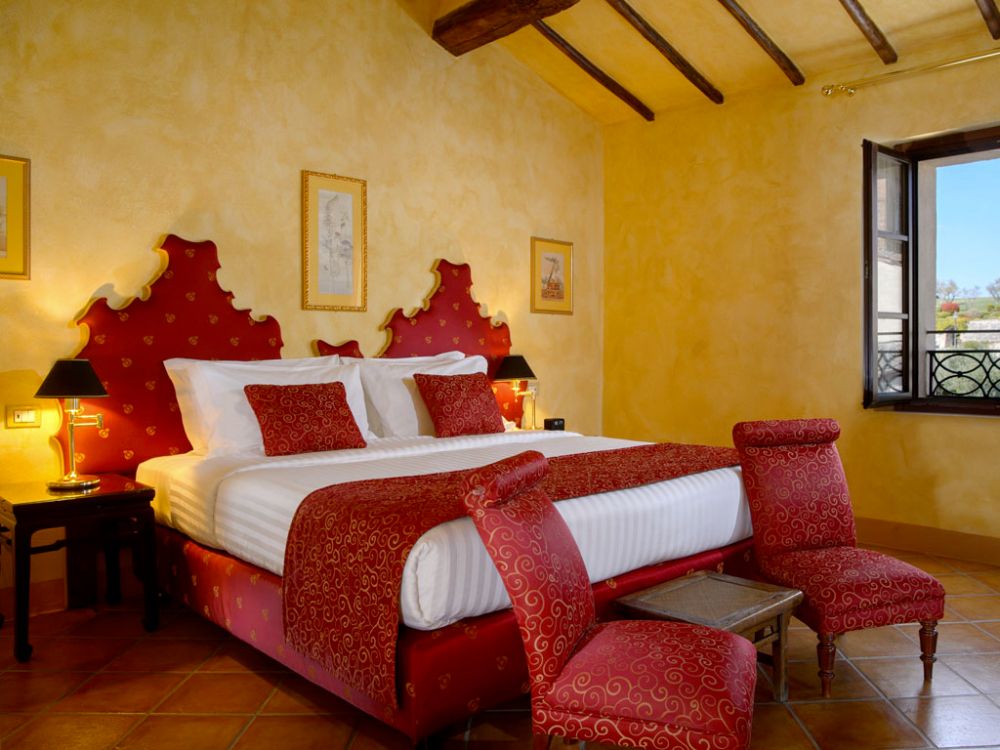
120	507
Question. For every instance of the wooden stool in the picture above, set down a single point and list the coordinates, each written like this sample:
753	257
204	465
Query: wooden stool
757	611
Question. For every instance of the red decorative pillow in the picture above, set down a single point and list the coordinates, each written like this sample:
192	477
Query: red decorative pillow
304	418
460	404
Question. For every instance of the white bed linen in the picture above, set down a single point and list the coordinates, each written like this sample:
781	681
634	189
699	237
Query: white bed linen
245	504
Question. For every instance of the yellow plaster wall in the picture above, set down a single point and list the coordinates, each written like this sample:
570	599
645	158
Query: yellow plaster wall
733	285
195	117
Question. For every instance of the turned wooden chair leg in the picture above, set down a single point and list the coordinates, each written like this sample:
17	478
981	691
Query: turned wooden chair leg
826	653
540	741
928	645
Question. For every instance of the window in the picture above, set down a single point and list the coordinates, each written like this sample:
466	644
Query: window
932	274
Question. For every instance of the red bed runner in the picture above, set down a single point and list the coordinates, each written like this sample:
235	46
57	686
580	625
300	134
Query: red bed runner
348	543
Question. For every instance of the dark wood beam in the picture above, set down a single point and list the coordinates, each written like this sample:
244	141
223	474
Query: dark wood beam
991	15
667	50
767	44
480	22
593	71
872	32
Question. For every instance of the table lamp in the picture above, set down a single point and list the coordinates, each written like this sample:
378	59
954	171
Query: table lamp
514	368
73	379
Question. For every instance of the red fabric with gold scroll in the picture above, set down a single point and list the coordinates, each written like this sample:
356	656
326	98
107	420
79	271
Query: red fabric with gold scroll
804	532
648	684
348	543
460	404
304	418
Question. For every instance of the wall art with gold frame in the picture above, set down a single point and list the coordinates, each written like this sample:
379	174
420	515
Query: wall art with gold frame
15	195
334	242
551	276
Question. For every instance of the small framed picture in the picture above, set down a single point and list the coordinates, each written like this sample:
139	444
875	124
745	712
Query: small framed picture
551	276
334	242
15	194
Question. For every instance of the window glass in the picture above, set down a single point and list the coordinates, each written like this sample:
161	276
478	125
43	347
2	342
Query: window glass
891	194
891	291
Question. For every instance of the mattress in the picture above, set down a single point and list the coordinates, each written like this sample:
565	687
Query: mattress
245	505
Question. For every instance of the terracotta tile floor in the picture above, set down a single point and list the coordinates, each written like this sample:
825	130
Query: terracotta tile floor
98	681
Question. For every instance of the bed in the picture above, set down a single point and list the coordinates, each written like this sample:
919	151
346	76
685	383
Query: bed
224	516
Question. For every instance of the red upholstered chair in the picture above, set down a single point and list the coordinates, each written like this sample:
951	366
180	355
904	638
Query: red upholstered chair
645	684
804	538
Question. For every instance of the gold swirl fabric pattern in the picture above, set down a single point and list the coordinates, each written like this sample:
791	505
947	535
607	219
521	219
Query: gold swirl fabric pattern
460	404
348	544
804	538
628	682
304	418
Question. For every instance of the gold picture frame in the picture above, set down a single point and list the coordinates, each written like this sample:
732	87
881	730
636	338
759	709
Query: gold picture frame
551	276
334	242
15	214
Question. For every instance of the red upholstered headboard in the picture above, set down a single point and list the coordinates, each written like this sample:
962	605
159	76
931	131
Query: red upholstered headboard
185	313
449	320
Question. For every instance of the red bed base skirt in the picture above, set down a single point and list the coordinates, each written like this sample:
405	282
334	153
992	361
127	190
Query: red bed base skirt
444	675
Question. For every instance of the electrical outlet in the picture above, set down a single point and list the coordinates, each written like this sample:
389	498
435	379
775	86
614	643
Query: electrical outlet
23	416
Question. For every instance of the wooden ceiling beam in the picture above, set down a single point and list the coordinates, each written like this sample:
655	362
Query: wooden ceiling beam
991	15
480	22
593	71
871	31
767	44
667	50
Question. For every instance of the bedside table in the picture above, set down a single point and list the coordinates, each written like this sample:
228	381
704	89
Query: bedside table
119	503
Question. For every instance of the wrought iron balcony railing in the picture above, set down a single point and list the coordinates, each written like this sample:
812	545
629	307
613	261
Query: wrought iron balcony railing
964	372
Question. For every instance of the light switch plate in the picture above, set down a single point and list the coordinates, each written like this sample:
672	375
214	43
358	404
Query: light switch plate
23	416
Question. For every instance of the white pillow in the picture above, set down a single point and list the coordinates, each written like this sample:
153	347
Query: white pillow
216	414
378	361
179	369
395	407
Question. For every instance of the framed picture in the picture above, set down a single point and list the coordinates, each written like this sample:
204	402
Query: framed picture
15	193
551	276
334	242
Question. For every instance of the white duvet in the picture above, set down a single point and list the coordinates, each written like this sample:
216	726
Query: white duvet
245	504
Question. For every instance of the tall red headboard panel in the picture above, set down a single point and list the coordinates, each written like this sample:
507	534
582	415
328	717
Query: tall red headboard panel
449	320
184	314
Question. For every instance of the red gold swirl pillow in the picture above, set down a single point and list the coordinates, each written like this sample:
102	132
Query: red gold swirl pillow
304	418
460	404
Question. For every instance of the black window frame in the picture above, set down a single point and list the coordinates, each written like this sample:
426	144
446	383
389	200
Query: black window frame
910	154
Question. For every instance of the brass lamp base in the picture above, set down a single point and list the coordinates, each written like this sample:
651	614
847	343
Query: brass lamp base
73	483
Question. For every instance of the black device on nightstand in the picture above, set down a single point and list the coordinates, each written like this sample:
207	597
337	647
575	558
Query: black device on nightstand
555	423
120	506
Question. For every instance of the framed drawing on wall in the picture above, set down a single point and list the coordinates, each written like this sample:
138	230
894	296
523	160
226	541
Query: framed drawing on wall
334	242
15	193
551	276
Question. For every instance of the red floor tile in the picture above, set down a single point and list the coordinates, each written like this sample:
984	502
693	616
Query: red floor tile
185	732
296	732
852	725
154	655
904	678
774	727
125	692
296	695
76	732
958	721
32	691
73	654
220	693
236	656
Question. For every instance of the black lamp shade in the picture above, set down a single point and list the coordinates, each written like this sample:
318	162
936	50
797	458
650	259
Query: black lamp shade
71	378
514	367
